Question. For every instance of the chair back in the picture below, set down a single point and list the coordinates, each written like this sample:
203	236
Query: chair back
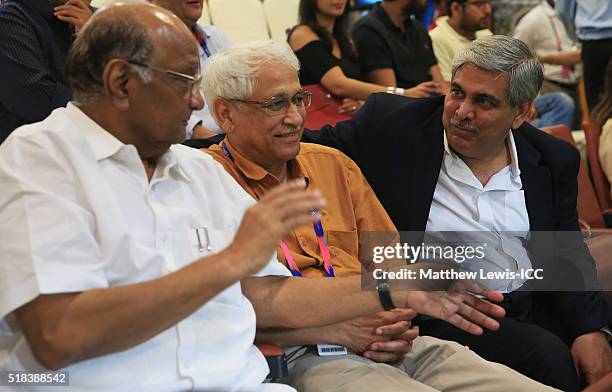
281	16
205	18
323	109
600	182
589	211
242	21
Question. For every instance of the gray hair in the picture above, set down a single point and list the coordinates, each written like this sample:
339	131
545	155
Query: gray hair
231	72
500	53
100	41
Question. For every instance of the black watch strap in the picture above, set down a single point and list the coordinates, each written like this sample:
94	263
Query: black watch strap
384	294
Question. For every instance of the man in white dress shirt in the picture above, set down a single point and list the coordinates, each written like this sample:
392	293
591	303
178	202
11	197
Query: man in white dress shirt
128	261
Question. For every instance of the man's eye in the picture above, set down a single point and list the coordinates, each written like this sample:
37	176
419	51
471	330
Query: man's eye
298	100
277	105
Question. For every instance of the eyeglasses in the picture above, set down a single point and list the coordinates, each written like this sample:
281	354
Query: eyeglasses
480	4
192	82
280	105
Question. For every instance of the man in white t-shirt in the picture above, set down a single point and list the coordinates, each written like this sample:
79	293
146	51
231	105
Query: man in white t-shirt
128	261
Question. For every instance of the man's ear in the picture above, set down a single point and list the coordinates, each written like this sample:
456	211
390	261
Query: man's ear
118	83
523	114
224	112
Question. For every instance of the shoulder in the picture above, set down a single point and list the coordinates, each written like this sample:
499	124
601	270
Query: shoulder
317	152
368	23
554	152
300	36
320	158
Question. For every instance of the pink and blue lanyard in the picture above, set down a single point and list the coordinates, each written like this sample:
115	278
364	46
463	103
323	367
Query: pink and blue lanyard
319	232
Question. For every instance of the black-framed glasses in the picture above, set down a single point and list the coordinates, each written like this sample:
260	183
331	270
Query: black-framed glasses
280	105
480	4
193	82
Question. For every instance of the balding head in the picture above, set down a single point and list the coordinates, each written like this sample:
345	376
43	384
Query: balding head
132	70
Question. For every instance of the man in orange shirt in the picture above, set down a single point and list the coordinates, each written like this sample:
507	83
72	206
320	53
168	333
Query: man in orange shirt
257	100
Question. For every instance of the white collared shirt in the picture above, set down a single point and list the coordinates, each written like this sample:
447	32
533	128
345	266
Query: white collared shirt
78	213
495	214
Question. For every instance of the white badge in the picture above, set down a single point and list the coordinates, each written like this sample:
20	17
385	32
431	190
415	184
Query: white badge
331	349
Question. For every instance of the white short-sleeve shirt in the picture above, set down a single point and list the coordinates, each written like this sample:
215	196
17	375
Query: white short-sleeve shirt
77	212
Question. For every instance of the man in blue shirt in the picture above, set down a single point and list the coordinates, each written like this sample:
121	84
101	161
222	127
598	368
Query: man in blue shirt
592	21
36	36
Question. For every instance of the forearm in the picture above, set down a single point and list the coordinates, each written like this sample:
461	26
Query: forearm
288	302
299	336
338	84
66	328
564	58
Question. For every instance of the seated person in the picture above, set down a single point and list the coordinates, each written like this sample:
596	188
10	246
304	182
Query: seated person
602	116
261	150
468	21
210	40
36	36
543	31
471	163
328	55
395	49
127	260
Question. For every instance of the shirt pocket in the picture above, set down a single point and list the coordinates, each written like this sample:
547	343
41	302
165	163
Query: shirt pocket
206	241
344	249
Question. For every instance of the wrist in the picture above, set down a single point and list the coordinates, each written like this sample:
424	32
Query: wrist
395	90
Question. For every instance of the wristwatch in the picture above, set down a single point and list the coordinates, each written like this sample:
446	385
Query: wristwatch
384	294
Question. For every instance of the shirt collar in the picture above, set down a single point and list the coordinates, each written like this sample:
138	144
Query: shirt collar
548	10
104	145
384	17
254	172
450	157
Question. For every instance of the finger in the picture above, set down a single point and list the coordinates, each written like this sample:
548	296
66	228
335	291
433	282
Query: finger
478	318
381	356
77	3
68	19
406	314
394	329
410	334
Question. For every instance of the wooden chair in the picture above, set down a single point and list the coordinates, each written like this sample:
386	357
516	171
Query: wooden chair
589	212
600	182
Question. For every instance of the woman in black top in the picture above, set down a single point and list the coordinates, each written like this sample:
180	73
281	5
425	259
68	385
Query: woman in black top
327	54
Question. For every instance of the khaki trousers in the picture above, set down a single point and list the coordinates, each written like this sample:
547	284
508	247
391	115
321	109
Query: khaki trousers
432	365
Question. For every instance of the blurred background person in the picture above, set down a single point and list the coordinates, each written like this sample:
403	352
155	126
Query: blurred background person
602	116
545	34
592	22
395	49
210	40
329	58
36	37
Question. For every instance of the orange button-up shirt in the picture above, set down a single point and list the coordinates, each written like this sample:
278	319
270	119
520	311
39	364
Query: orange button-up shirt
352	209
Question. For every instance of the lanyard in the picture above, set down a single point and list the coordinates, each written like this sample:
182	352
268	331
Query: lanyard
565	70
319	232
201	41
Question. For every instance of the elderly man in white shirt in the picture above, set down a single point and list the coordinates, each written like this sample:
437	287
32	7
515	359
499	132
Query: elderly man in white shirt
127	261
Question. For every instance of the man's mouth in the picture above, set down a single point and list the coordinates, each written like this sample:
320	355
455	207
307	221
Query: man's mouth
287	134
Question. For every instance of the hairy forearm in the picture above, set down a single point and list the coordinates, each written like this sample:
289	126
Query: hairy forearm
299	336
288	302
66	328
